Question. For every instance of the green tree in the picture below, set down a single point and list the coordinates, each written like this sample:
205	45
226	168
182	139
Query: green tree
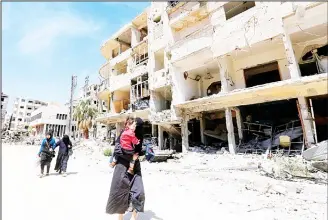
84	113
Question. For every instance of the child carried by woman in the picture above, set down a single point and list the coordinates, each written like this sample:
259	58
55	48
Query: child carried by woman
127	140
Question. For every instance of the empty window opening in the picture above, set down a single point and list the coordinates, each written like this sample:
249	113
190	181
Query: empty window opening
140	92
121	68
120	101
159	60
264	123
123	43
233	9
214	88
163	99
262	74
314	62
320	110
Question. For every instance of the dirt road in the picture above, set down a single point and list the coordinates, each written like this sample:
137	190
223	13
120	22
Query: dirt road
174	191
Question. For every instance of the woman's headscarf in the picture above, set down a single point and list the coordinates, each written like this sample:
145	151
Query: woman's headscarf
139	132
66	140
50	134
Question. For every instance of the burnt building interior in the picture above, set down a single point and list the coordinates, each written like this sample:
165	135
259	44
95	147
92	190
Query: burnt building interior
319	105
262	74
312	62
140	93
265	123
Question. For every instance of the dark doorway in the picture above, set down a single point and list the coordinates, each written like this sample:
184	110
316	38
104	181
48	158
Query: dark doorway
320	109
262	74
194	128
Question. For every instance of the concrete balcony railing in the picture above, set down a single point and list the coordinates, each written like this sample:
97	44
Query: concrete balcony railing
194	50
245	29
160	78
139	70
189	13
172	6
105	70
104	85
119	81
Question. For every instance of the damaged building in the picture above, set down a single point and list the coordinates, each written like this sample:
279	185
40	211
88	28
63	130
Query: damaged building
246	76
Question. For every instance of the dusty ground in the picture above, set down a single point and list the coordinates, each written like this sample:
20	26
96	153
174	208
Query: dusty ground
196	187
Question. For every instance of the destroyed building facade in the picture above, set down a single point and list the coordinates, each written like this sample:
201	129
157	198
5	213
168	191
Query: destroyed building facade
22	111
238	75
4	106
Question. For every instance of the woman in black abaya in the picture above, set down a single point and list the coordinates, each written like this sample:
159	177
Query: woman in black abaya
127	191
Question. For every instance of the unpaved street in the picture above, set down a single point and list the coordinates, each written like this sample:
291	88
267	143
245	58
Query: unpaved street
182	190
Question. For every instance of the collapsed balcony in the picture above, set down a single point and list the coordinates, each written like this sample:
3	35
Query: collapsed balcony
140	93
118	44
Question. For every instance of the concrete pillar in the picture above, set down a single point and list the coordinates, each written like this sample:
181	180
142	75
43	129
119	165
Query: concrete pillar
293	66
185	134
231	135
153	130
239	123
171	142
119	127
225	67
160	137
135	36
306	120
202	129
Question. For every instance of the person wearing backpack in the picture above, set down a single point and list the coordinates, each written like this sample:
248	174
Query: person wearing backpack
46	153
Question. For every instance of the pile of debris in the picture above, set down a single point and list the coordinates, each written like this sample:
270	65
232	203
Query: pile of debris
292	168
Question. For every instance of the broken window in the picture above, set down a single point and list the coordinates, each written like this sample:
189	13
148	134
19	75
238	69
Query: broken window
121	68
163	99
140	92
262	74
233	9
214	88
314	61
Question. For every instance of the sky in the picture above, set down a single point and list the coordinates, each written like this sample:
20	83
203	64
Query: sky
44	44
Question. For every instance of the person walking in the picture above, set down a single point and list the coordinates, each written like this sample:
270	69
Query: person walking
65	147
127	189
46	153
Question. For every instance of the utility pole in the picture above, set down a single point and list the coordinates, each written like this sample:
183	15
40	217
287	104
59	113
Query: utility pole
73	85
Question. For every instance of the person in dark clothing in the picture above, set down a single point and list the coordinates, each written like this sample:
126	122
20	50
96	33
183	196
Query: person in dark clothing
127	190
46	152
64	146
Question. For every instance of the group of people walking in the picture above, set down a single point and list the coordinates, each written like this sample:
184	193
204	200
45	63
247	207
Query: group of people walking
127	189
47	153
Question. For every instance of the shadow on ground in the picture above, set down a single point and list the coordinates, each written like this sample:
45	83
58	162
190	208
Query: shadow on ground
147	215
68	174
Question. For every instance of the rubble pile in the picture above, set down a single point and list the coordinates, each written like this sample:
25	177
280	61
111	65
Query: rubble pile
289	168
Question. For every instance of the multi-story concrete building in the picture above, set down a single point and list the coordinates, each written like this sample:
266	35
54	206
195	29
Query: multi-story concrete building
4	106
51	117
221	72
23	108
